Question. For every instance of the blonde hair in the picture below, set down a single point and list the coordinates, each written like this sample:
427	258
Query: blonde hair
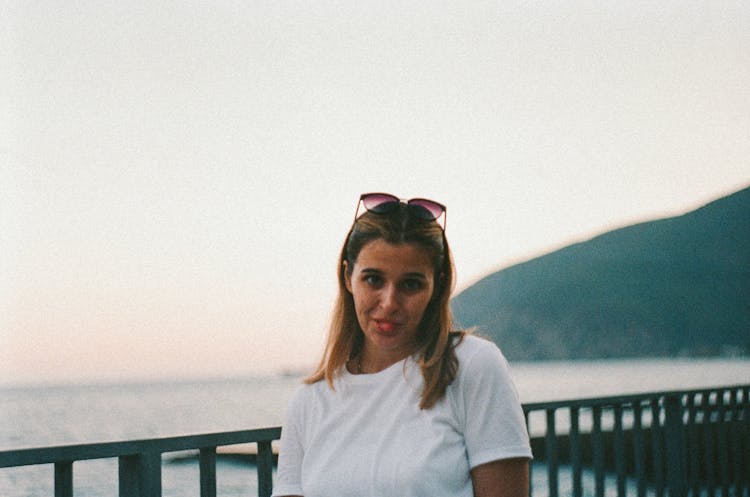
435	339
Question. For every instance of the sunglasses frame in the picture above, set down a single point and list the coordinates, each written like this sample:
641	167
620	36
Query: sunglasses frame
413	202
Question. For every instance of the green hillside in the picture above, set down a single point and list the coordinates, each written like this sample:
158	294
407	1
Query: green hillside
676	286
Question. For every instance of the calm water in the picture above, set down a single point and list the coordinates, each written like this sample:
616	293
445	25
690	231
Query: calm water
43	416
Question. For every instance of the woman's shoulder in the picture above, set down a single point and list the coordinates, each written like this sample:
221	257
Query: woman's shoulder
470	345
307	389
314	387
476	354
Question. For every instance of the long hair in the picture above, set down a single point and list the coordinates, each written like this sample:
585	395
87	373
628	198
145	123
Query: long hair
435	352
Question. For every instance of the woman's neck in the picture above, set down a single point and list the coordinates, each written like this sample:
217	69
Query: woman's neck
369	361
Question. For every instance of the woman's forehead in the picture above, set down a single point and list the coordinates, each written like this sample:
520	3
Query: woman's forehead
394	257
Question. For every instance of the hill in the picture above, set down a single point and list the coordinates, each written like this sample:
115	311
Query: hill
675	286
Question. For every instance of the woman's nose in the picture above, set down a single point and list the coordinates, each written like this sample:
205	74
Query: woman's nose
389	298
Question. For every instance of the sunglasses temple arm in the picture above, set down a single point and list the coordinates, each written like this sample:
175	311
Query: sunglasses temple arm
356	212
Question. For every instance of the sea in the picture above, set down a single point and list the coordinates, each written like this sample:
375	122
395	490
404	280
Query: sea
49	415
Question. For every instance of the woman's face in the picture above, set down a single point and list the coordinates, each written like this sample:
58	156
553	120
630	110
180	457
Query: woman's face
391	286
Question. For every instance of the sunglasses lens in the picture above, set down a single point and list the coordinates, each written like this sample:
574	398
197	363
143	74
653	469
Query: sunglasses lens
383	203
426	209
379	203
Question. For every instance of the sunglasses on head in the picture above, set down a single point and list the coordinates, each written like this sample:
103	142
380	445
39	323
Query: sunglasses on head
383	203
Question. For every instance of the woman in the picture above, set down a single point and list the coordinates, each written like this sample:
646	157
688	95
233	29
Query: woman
400	405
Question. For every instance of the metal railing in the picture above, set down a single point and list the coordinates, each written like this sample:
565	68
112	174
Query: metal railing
139	461
677	444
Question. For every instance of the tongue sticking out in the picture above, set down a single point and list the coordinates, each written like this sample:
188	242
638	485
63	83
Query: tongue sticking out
385	326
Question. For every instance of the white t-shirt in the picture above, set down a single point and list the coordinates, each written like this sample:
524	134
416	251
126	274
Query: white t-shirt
368	437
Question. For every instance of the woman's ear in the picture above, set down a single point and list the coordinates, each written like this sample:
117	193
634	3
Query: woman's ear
347	276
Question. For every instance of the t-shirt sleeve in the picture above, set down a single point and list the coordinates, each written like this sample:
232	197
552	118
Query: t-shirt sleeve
289	471
493	421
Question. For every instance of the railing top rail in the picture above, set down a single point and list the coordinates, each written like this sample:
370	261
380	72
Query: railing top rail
624	399
78	452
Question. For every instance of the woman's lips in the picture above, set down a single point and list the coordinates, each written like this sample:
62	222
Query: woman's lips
385	326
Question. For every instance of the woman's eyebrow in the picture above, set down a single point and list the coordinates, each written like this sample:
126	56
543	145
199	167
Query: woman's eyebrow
414	274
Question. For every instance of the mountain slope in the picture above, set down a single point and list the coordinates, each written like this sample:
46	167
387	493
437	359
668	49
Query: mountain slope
673	286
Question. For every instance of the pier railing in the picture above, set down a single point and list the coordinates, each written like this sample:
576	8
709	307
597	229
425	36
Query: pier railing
678	444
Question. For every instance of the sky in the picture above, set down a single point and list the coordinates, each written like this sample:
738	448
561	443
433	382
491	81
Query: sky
176	178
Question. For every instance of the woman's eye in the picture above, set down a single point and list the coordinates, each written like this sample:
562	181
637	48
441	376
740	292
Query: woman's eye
373	279
412	285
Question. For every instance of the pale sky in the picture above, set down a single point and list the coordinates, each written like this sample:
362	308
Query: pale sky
176	178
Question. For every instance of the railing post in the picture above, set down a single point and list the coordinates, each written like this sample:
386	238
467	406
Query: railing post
128	476
265	468
745	438
64	479
639	448
207	464
550	449
575	451
597	450
675	446
140	475
619	449
723	441
657	447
